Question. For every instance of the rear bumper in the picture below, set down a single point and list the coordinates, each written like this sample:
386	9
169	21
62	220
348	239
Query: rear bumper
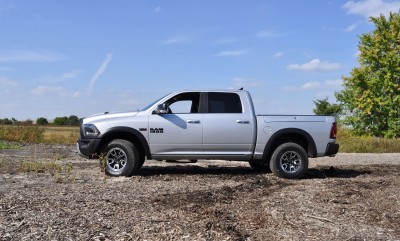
332	149
87	147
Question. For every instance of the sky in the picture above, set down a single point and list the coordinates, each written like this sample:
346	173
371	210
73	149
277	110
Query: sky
62	58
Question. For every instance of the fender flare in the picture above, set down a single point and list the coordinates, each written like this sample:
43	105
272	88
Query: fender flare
312	148
131	131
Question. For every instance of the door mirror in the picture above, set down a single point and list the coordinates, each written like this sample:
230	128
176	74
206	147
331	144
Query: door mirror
161	109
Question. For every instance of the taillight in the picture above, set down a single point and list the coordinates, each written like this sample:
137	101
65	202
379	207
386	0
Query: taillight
333	131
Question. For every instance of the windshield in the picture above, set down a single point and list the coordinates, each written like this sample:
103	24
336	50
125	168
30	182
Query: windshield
152	103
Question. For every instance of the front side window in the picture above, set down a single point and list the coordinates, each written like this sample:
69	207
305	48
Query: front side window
224	103
184	103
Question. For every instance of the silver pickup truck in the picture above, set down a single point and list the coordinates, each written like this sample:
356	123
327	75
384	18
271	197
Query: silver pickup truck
207	125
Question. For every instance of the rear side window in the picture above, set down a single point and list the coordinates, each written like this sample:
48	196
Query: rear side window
224	103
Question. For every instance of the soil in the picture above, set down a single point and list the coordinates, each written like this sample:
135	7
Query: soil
348	197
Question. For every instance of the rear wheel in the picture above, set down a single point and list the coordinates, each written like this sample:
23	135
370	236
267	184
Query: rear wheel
289	160
121	158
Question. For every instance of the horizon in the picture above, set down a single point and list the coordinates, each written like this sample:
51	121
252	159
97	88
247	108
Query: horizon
82	58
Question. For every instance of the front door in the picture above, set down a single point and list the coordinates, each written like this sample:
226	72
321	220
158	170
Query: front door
179	132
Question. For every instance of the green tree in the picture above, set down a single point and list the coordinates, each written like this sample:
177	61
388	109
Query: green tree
42	121
323	107
61	121
73	120
371	94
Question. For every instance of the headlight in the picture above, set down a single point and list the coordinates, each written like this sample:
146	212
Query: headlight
90	130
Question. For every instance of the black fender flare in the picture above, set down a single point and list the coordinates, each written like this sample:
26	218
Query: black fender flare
131	131
312	148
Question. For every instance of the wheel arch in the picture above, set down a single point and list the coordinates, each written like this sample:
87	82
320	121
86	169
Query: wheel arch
128	134
295	135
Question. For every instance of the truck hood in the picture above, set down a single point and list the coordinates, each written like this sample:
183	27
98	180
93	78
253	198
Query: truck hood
108	116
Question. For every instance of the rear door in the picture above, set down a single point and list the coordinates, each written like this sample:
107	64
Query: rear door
227	126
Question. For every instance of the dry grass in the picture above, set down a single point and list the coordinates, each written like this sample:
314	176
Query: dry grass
351	143
61	134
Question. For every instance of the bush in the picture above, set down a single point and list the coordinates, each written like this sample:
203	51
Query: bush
351	143
61	121
42	121
32	134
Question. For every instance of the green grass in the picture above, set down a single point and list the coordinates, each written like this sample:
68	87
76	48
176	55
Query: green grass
8	145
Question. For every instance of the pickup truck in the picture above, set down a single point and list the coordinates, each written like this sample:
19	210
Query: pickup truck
207	125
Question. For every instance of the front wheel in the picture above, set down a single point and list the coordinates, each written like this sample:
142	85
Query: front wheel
289	160
121	158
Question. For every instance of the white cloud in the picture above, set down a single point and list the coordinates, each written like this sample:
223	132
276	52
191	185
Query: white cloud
230	53
239	82
176	40
357	54
278	54
46	90
310	85
31	56
334	83
269	34
62	77
98	73
314	64
351	27
77	94
4	82
371	8
157	9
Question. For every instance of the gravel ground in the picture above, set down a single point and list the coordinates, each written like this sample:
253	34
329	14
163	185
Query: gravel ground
348	197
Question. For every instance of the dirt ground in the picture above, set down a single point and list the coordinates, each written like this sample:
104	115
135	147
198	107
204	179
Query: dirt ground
349	197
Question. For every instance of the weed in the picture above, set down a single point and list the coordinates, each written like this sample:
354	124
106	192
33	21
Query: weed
9	145
32	134
366	144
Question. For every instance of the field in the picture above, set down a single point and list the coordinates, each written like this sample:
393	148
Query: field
47	192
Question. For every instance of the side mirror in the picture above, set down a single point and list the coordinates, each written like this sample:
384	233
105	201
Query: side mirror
161	109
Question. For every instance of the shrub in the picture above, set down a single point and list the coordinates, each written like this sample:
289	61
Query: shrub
32	134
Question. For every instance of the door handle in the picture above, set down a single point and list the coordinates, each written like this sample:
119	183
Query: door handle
193	121
242	121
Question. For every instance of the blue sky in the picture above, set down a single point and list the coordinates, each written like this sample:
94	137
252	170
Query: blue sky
61	58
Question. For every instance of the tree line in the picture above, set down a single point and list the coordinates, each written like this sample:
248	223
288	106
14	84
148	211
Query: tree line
369	102
71	120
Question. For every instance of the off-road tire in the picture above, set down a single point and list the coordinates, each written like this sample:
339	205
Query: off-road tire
121	158
289	160
260	166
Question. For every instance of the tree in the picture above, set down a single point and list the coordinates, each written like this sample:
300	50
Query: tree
371	94
73	120
61	121
41	121
323	107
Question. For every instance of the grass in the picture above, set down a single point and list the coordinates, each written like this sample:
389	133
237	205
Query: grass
40	134
19	133
60	171
61	134
351	143
69	135
8	145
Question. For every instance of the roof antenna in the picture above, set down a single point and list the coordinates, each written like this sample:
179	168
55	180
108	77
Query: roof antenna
241	88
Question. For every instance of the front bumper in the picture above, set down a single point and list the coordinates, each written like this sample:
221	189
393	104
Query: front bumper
87	148
332	149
